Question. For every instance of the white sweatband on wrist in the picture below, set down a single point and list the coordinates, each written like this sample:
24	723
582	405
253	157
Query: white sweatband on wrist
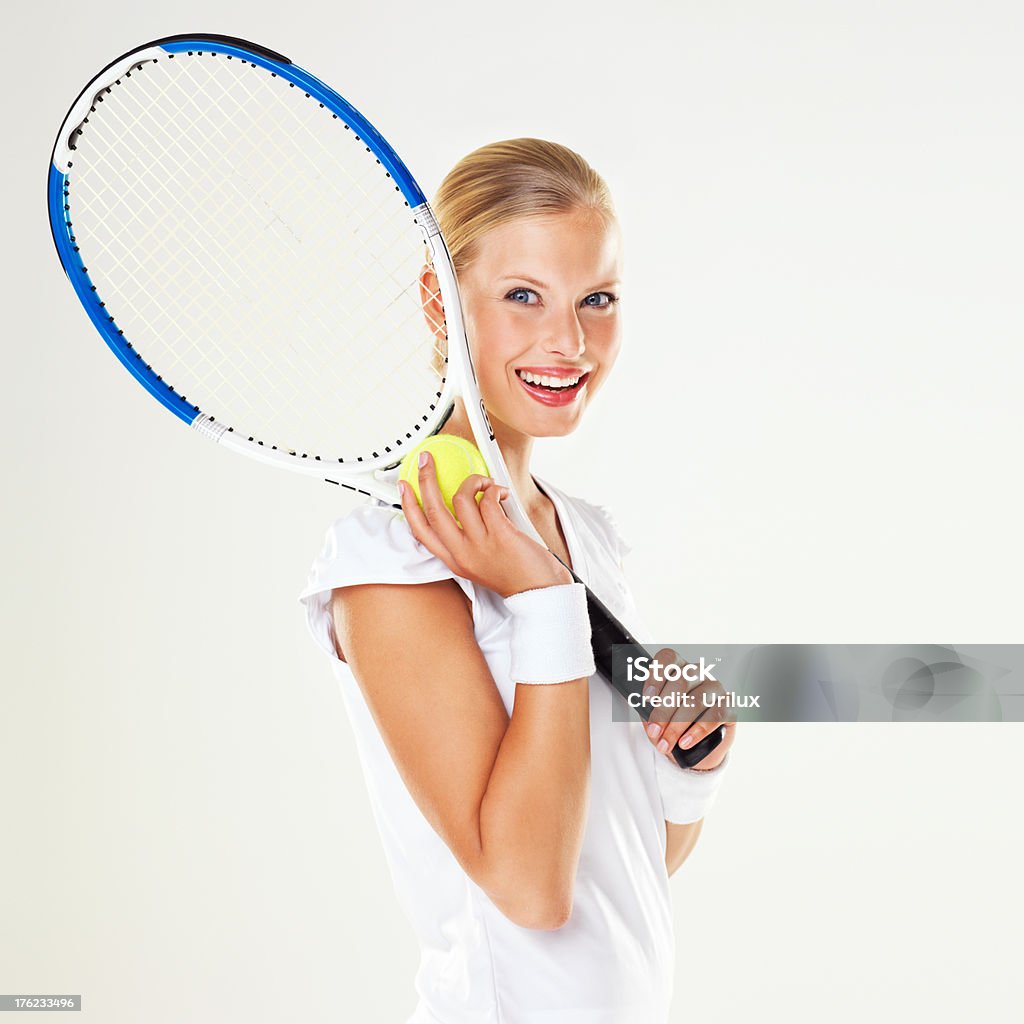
551	634
686	795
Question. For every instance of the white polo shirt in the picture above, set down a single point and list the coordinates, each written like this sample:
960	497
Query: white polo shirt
612	963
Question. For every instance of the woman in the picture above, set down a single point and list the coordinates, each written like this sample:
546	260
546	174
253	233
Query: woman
530	836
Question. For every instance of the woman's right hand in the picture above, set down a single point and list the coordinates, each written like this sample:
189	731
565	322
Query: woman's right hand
488	548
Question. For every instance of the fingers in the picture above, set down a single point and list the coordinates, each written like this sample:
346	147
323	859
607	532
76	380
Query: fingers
432	501
687	726
467	510
420	527
491	512
686	734
663	713
715	757
433	524
434	508
692	715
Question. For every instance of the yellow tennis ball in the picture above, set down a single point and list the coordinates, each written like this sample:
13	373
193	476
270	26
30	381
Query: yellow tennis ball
454	458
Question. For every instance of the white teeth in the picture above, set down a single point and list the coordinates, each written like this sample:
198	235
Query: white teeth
549	382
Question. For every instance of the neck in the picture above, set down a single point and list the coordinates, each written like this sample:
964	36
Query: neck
516	449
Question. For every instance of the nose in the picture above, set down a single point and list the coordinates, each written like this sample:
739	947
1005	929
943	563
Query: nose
565	335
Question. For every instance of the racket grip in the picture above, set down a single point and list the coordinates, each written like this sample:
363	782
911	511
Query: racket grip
606	632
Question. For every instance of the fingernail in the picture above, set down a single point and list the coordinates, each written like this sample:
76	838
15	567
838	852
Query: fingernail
650	691
687	741
401	489
653	730
423	459
663	746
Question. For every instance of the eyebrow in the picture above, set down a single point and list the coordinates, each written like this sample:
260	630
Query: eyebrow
523	277
540	284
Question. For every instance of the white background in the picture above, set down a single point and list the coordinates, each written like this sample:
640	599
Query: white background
813	436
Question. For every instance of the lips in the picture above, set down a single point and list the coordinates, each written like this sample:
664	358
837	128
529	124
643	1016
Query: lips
553	396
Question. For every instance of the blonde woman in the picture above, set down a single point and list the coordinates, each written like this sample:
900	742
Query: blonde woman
530	836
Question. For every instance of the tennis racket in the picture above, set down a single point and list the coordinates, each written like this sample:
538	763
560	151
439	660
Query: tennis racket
250	248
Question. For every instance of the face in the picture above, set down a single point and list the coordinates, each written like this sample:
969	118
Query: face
541	302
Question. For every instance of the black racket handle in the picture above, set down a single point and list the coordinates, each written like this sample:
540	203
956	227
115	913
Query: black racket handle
605	632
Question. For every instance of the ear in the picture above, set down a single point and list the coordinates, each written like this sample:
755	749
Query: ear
433	308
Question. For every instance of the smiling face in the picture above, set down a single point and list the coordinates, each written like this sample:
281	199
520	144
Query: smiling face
541	300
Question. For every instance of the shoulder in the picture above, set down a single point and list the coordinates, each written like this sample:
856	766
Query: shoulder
372	544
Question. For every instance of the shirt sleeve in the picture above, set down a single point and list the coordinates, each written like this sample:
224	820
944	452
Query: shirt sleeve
372	544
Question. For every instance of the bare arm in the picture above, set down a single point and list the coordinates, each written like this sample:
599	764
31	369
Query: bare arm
507	795
679	843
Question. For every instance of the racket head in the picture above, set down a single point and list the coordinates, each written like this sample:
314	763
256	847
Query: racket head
117	210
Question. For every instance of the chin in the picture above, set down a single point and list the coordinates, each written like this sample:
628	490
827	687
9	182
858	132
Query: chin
546	425
533	425
554	429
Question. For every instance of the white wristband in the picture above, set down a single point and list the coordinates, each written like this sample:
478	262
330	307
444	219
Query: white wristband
551	634
686	795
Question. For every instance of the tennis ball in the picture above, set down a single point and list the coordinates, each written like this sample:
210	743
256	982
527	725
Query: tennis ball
454	459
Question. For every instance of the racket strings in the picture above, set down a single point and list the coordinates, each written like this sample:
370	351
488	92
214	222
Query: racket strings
438	325
197	353
370	221
257	257
197	285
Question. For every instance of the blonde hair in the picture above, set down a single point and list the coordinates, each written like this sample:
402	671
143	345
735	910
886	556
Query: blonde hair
517	178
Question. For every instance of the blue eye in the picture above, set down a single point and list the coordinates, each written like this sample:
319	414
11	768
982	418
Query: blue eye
524	296
600	300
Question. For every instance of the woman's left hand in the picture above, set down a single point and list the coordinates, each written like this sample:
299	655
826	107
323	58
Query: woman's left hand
669	726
